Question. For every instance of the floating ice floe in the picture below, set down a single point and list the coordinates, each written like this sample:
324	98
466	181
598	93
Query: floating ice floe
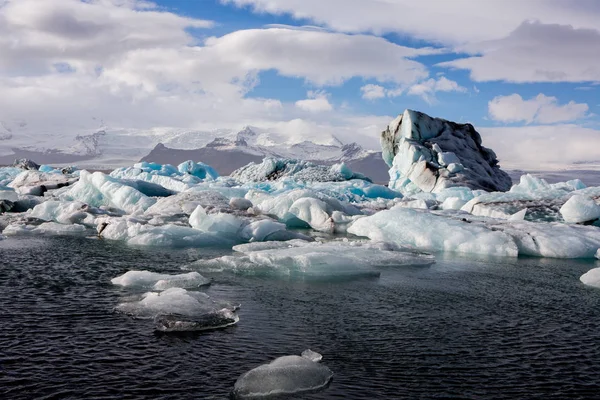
156	281
287	375
591	278
177	309
298	258
46	229
439	231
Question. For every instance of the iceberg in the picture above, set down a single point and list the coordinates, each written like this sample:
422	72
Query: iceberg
431	154
287	375
137	232
272	169
199	170
98	189
37	183
463	233
314	260
430	232
160	282
185	203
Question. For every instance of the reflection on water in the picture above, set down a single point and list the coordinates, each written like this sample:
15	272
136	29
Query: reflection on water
464	327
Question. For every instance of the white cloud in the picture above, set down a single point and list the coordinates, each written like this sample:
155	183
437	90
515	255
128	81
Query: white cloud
427	89
542	147
36	34
451	22
316	102
540	109
131	64
373	92
535	52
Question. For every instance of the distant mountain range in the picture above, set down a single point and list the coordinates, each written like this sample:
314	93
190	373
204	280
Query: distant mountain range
225	150
227	154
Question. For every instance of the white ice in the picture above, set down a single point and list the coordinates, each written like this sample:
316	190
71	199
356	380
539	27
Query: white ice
159	282
45	229
172	301
298	258
591	278
580	209
285	375
98	189
438	231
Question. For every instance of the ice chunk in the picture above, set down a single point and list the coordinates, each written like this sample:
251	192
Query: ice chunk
580	209
173	301
427	231
518	216
69	212
46	229
419	149
443	231
222	224
98	189
313	212
312	355
9	195
135	232
556	240
199	170
156	281
453	203
148	188
315	259
258	231
239	203
211	320
37	183
186	203
274	169
27	164
285	375
591	278
8	174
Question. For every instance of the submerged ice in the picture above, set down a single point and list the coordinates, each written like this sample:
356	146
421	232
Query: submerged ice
298	258
287	375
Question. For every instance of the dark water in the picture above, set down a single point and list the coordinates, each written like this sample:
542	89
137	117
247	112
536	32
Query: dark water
462	328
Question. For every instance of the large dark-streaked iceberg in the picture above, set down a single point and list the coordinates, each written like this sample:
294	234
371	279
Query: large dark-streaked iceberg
431	154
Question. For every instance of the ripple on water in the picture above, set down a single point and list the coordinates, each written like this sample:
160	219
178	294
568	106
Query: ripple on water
464	327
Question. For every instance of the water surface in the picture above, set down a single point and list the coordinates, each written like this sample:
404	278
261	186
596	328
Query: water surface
464	327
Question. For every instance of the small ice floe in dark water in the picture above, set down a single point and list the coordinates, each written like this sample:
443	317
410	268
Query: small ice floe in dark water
156	281
285	375
209	321
177	310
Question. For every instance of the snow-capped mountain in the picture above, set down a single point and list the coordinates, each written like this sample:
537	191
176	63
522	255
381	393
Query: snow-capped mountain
231	152
103	147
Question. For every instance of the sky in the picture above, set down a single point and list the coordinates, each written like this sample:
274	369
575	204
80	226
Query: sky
525	73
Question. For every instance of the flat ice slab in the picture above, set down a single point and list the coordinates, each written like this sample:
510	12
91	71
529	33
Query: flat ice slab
287	375
298	258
